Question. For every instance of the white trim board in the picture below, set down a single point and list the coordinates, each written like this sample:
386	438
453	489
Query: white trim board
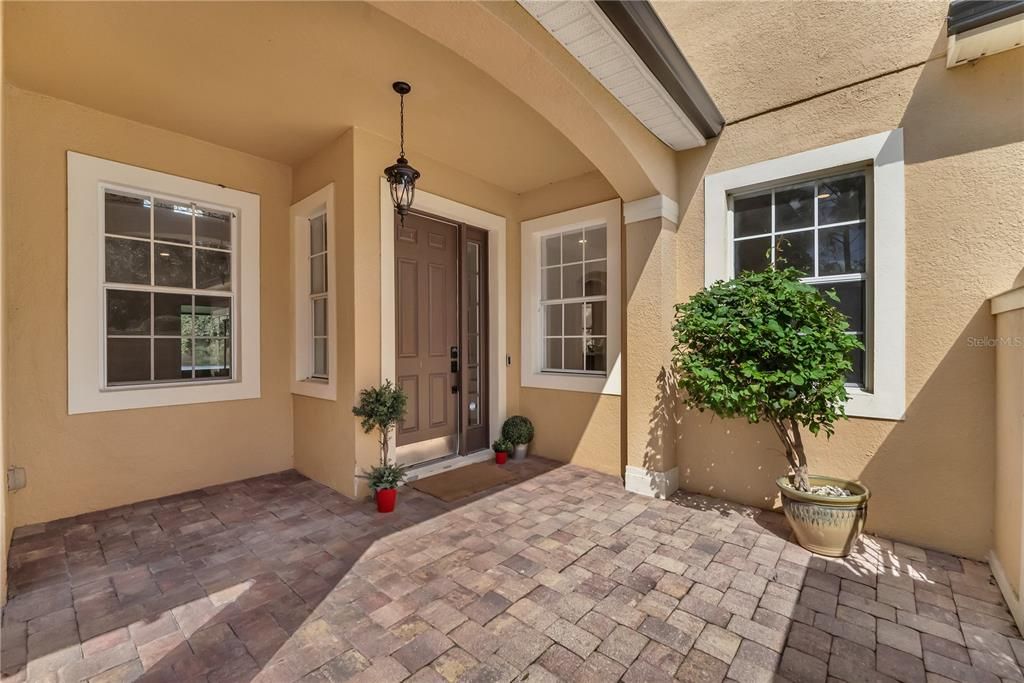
887	295
609	214
87	177
657	206
652	484
496	227
1013	600
302	362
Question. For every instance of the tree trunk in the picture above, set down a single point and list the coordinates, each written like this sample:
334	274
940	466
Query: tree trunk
800	476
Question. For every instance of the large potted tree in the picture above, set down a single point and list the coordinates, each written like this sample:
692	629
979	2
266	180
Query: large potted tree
769	348
381	408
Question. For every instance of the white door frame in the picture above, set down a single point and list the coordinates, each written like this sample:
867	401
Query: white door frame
496	301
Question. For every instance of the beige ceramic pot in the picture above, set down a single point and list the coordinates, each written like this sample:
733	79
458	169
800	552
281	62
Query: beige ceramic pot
825	525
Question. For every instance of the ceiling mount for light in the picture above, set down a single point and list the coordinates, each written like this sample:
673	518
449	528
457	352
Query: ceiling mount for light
401	176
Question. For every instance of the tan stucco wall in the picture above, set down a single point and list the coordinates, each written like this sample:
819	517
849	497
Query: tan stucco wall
101	460
571	426
1009	476
932	475
5	502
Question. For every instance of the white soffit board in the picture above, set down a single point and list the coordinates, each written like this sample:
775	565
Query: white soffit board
584	30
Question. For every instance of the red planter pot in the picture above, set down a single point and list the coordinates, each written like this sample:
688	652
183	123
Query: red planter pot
500	457
386	500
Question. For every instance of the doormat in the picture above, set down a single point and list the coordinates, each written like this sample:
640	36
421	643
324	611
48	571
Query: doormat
463	481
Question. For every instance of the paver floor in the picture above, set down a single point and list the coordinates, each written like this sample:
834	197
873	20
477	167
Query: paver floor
560	576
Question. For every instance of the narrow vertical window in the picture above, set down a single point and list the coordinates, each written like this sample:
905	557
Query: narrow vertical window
318	285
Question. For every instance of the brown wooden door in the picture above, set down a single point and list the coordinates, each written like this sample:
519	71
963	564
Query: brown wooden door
427	287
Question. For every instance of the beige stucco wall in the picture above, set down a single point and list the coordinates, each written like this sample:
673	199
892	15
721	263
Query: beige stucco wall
101	460
1009	475
932	475
571	426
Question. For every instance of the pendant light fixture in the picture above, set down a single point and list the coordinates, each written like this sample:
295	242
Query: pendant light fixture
401	176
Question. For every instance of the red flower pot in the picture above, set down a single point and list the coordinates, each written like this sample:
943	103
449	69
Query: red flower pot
501	457
386	500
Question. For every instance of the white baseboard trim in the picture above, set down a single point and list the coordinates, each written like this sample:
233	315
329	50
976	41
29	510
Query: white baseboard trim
1012	599
650	483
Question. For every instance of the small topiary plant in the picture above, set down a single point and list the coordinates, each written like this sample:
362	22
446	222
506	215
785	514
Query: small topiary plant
769	348
518	430
381	408
502	446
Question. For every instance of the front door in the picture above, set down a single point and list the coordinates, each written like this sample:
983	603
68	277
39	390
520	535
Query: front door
427	337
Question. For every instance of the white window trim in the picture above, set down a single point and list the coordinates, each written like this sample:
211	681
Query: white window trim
86	176
321	201
609	214
887	326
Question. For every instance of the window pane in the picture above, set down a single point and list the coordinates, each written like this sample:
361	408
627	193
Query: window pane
172	359
473	351
172	221
553	320
212	358
127	360
317	235
596	245
573	354
553	354
127	312
552	251
597	278
795	250
752	215
596	320
572	247
318	274
753	255
213	269
573	319
841	250
213	228
473	258
473	408
851	301
551	283
596	354
173	266
173	314
794	208
126	215
320	358
856	376
841	200
319	317
572	281
212	316
127	261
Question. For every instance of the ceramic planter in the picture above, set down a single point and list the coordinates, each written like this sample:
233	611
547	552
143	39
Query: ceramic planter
520	452
825	525
501	457
386	500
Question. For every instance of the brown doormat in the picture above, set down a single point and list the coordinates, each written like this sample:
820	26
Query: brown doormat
463	481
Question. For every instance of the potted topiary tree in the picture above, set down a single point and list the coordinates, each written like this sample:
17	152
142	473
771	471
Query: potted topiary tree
518	430
381	408
769	348
501	450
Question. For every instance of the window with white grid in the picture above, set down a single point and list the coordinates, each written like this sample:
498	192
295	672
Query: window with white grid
820	227
318	299
574	299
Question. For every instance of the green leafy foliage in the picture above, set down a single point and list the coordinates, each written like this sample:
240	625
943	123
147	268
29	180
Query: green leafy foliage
381	408
502	446
765	347
517	429
387	476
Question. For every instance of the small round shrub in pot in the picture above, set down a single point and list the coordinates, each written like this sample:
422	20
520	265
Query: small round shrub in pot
769	348
501	450
519	431
381	408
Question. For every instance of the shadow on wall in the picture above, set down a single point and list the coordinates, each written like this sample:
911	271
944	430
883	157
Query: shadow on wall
574	427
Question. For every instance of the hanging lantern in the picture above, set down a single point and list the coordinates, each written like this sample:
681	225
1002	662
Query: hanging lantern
401	176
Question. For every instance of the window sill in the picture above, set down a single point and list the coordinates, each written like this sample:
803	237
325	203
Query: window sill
315	388
874	406
584	383
83	399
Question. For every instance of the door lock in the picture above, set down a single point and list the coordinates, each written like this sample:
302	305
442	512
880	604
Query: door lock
454	355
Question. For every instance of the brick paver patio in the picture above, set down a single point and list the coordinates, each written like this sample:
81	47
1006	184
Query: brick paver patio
563	575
